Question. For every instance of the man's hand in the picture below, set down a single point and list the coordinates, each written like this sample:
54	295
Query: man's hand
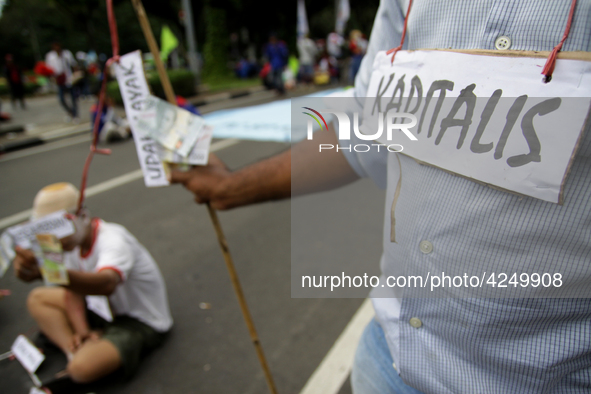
25	265
272	178
208	183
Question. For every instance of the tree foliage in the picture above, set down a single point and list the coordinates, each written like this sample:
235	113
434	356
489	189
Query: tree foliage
215	51
28	27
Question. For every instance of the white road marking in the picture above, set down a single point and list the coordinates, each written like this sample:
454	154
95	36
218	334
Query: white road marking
45	148
336	366
108	185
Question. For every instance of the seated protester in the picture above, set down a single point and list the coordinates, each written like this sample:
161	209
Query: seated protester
103	259
111	127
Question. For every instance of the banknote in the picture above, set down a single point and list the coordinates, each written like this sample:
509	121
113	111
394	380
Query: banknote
53	269
176	129
6	252
198	155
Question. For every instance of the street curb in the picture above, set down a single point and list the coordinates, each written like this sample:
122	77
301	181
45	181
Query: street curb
22	144
35	141
11	129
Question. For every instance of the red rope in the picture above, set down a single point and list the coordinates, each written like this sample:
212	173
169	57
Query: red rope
101	101
399	47
551	62
113	30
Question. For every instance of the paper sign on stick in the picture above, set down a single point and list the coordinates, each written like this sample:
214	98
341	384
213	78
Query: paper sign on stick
27	354
135	91
487	118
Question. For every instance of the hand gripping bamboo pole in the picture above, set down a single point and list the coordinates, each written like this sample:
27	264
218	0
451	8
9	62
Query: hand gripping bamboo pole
168	91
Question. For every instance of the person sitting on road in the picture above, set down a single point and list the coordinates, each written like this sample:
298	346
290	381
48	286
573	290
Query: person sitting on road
103	259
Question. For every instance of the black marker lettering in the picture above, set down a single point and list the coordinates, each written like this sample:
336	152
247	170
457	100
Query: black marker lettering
378	101
442	86
415	84
527	128
467	97
512	116
476	146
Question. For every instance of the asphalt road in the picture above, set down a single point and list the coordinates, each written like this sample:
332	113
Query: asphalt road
208	350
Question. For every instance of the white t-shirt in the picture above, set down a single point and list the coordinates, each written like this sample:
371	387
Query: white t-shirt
61	64
142	292
334	43
308	50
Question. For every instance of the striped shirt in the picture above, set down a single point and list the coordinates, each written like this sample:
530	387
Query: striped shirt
511	345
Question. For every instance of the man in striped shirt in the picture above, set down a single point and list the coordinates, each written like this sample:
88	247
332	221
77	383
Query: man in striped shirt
447	345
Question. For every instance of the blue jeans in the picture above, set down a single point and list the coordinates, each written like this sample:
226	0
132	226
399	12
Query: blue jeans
355	65
277	75
373	372
61	92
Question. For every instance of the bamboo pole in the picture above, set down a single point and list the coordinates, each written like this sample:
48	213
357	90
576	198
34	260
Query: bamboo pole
168	91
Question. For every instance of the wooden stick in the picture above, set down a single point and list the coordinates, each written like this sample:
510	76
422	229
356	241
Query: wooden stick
153	45
241	299
145	24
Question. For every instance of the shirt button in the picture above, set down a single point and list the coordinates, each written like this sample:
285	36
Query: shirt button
502	43
394	366
415	322
426	247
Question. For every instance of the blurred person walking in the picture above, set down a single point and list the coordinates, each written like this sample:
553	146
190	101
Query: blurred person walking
308	51
83	84
334	47
358	47
277	54
62	62
14	77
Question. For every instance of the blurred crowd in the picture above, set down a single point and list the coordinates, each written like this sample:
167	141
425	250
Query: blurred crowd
319	61
73	77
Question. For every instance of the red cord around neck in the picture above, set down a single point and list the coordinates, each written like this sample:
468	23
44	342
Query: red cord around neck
399	47
551	62
101	102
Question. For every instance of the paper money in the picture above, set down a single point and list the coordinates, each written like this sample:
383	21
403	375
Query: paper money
199	155
7	253
53	269
175	128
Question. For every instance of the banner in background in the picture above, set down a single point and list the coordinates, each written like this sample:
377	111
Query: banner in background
302	19
168	42
343	14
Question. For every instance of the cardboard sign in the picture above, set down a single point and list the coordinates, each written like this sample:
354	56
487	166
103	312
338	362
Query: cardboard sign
27	354
490	119
135	92
54	223
100	306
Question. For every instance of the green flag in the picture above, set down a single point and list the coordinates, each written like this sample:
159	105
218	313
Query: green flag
168	42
